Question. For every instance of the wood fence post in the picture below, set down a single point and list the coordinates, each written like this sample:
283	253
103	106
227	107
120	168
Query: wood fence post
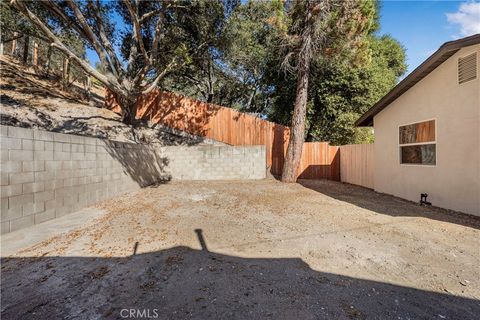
66	70
35	53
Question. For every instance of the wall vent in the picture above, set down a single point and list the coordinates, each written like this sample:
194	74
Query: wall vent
467	68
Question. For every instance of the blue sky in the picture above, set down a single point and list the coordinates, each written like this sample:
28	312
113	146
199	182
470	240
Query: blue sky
421	26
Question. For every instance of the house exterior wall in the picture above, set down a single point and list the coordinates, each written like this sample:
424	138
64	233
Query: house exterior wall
454	182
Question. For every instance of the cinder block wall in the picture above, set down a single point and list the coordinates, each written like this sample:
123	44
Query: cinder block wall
45	175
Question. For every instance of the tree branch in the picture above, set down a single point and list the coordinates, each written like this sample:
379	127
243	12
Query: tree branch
11	39
152	13
56	10
89	33
116	65
157	36
149	15
137	36
160	76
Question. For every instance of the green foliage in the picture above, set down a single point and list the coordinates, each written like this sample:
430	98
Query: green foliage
230	52
12	21
199	28
237	40
250	36
344	83
342	92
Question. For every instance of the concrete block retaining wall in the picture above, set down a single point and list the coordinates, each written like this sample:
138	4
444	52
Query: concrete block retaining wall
45	175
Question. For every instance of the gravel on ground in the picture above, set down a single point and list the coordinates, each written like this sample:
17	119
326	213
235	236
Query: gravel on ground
252	249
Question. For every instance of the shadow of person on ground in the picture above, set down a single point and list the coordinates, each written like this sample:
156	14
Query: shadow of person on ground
387	204
182	282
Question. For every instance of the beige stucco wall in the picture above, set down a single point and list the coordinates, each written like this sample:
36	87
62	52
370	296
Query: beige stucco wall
454	182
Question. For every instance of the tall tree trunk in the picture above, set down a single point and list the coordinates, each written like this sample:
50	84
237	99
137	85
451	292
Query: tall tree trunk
26	49
129	108
129	112
297	132
210	84
209	97
251	98
133	113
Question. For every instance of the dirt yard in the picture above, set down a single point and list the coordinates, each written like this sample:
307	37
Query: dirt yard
251	250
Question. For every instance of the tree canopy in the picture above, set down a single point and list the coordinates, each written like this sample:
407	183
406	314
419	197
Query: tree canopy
340	92
245	69
226	52
344	84
147	53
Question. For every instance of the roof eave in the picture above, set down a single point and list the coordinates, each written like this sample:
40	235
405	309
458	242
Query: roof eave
442	54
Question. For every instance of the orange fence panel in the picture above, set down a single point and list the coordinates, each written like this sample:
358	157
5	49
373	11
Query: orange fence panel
319	159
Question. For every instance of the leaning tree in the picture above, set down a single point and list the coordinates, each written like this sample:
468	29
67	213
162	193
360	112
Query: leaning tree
318	27
133	60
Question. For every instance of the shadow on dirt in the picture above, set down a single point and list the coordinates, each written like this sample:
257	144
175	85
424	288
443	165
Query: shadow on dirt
142	163
387	204
182	282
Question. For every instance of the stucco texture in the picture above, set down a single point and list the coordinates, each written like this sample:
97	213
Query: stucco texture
454	182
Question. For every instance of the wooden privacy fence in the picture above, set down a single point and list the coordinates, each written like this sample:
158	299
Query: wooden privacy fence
356	165
319	159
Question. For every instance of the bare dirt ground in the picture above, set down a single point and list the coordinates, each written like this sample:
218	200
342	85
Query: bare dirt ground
30	100
251	250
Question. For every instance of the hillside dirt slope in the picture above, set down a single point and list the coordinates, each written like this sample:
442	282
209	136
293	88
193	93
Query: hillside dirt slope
30	100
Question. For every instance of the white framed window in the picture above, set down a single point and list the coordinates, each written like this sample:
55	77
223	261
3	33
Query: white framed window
417	143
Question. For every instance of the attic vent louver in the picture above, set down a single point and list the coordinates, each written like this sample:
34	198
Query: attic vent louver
467	68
